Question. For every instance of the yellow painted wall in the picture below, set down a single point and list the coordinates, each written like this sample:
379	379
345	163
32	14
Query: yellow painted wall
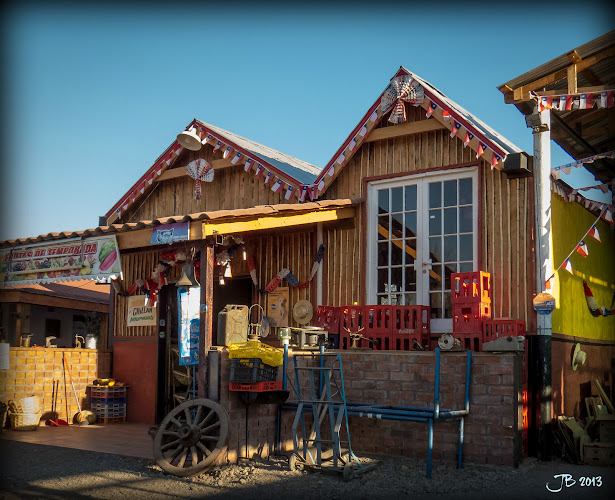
570	221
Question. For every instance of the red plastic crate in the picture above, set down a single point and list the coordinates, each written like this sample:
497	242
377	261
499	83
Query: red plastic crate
328	318
377	320
502	327
411	320
470	340
469	318
256	387
405	341
469	288
351	318
385	341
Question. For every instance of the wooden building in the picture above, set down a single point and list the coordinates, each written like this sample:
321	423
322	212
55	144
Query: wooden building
421	188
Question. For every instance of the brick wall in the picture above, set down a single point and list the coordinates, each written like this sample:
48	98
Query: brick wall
492	430
32	372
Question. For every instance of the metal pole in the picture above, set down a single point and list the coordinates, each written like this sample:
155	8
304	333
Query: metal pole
544	266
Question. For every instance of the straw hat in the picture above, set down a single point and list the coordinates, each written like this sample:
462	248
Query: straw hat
578	357
303	311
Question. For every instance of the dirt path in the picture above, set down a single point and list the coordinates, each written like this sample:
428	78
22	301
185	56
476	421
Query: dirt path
39	471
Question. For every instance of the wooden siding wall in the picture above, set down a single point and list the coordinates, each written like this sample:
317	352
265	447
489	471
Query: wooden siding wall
506	221
295	251
231	188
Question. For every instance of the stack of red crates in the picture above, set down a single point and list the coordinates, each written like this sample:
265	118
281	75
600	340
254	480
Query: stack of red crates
388	327
471	303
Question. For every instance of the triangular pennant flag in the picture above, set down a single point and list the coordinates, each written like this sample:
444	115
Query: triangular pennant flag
468	138
321	185
455	129
548	283
607	216
218	145
481	149
142	188
445	114
313	192
568	266
569	101
582	249
207	139
562	103
277	186
236	158
374	116
593	232
582	101
150	178
431	108
352	144
303	193
259	171
268	178
341	158
363	130
495	159
248	165
227	152
119	213
289	193
331	170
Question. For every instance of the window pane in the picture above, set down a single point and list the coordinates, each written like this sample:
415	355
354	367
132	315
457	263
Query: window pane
450	193
397	221
450	248
396	252
409	279
383	300
448	270
435	249
465	191
383	253
383	280
465	247
435	194
397	201
410	299
410	198
435	302
448	312
450	221
466	267
435	222
383	227
410	251
396	279
383	201
465	219
410	224
435	278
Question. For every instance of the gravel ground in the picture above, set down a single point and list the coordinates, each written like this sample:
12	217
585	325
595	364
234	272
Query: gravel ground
39	471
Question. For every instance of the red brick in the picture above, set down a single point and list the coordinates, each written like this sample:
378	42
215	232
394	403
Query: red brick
505	390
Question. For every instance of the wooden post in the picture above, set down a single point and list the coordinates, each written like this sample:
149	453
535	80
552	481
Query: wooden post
544	268
206	312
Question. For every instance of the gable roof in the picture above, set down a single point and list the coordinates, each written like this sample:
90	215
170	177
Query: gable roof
300	178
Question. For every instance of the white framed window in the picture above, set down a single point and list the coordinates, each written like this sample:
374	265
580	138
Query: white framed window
421	228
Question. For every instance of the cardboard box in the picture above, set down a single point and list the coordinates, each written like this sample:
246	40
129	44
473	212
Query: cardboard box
601	454
606	428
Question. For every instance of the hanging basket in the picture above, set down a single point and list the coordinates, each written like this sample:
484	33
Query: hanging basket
28	405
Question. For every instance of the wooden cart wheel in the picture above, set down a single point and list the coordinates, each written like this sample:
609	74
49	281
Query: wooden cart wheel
191	437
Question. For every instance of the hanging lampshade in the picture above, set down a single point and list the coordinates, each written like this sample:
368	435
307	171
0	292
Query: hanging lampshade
187	278
189	139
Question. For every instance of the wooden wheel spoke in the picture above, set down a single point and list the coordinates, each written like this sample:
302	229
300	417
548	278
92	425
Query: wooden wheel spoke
170	445
176	453
182	459
176	422
195	457
210	428
203	448
199	412
210	438
170	433
187	412
206	419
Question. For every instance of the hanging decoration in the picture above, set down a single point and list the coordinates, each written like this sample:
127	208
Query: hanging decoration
402	89
594	309
556	172
571	195
200	170
580	247
568	102
286	274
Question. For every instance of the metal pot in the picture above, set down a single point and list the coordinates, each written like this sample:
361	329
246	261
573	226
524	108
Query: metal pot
25	339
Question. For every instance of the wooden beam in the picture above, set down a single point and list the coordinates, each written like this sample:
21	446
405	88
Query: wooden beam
580	90
273	222
572	79
174	173
404	129
141	237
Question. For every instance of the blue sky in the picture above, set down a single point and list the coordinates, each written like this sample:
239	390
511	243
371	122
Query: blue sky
93	95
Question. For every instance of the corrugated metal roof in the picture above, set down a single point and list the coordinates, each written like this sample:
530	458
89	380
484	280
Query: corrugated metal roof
299	170
218	215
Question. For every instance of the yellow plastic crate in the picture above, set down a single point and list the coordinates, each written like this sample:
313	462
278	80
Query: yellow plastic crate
256	349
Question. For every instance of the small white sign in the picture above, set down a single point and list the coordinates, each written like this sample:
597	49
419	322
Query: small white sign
139	313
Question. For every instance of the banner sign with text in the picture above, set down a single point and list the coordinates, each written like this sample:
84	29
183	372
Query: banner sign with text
165	234
76	259
139	312
188	304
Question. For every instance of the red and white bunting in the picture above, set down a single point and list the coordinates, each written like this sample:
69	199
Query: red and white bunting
331	170
374	115
207	139
268	178
467	138
567	168
353	144
341	158
248	164
321	185
313	190
446	114
158	169
593	232
582	249
568	266
455	129
236	158
277	186
218	145
608	215
430	109
150	178
259	171
481	149
227	152
289	193
142	188
363	130
303	193
495	159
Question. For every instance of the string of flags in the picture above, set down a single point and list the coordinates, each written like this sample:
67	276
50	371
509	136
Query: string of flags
568	102
581	248
593	306
608	210
567	168
286	274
